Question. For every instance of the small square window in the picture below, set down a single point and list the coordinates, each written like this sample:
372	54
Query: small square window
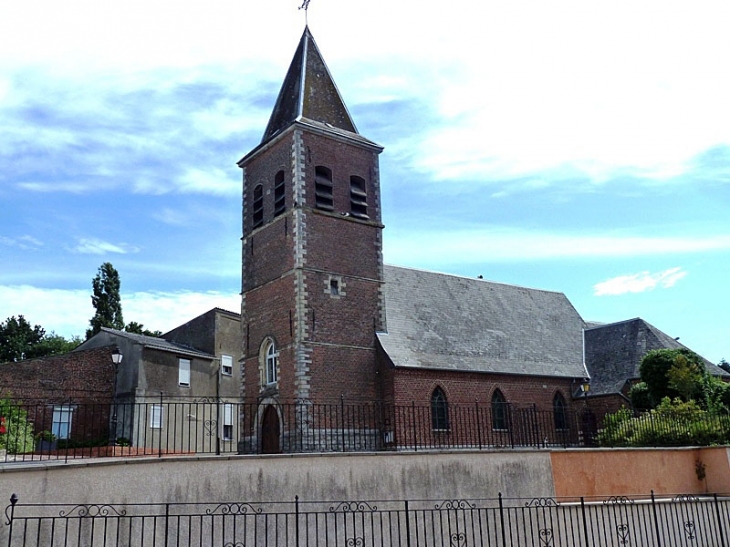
226	365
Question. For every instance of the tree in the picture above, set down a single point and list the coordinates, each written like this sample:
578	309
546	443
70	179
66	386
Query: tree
54	344
138	328
724	365
685	377
18	338
655	372
106	300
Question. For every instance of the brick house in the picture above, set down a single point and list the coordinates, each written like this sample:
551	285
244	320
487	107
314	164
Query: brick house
324	320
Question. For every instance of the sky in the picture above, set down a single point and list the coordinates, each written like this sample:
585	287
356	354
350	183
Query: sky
572	146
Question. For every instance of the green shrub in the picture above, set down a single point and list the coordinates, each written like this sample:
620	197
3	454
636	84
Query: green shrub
672	423
18	435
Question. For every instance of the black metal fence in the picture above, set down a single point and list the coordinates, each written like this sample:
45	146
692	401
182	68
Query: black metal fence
617	521
32	430
163	425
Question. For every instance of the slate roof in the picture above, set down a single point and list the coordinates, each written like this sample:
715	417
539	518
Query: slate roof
614	353
159	344
309	96
446	322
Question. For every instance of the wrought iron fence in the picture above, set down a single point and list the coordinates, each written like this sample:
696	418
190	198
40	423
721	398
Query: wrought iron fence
163	425
617	521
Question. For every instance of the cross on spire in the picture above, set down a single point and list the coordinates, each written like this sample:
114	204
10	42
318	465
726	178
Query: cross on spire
305	7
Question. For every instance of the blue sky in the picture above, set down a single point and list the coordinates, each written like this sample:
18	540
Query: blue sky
571	147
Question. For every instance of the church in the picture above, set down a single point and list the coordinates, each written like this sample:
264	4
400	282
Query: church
323	320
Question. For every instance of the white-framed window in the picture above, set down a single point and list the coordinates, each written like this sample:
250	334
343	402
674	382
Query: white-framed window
184	372
156	417
272	362
62	418
227	422
226	365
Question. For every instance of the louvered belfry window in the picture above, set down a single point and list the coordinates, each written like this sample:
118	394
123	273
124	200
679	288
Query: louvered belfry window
323	188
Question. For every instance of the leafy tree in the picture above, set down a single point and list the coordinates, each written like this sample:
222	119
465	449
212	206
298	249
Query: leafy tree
106	300
639	395
685	377
138	328
655	367
54	344
724	365
17	338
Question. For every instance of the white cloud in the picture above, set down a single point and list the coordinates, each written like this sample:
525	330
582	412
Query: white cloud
639	282
25	242
495	244
99	247
67	312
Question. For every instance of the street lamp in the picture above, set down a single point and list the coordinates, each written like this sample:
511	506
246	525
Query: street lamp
116	359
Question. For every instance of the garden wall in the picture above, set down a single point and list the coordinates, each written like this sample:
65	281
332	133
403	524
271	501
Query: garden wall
626	471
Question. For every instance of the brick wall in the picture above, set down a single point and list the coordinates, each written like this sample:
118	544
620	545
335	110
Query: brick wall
79	376
468	387
81	381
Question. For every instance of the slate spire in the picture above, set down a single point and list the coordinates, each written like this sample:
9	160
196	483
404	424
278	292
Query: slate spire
308	93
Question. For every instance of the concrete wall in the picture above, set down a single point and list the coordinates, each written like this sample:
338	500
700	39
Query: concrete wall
367	476
336	477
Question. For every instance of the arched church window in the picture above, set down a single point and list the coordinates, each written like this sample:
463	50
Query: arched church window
269	360
323	198
439	410
499	411
559	415
258	206
358	197
279	194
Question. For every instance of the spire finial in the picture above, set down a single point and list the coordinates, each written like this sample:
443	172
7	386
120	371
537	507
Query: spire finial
305	7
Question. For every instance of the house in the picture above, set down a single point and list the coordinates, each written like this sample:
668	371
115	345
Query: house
169	392
613	355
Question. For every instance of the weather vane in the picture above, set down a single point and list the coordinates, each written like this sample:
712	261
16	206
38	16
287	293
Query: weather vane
305	7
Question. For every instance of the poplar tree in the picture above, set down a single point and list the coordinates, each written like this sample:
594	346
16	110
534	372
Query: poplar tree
106	300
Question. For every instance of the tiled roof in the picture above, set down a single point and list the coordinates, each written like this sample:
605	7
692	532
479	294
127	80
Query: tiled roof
159	343
309	92
446	322
614	353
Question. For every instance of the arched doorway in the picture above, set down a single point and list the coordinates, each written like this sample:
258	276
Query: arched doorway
270	431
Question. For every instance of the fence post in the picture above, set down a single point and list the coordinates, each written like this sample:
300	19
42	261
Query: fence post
415	427
342	420
501	520
167	523
162	420
13	501
719	521
479	424
408	525
585	521
296	524
656	521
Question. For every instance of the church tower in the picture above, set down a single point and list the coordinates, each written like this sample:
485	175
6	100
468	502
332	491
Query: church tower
312	247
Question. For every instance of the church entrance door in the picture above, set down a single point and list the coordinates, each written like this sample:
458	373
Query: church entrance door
270	431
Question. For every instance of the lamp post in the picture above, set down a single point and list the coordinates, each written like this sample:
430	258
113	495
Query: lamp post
116	359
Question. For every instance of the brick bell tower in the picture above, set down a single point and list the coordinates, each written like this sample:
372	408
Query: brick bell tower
312	247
